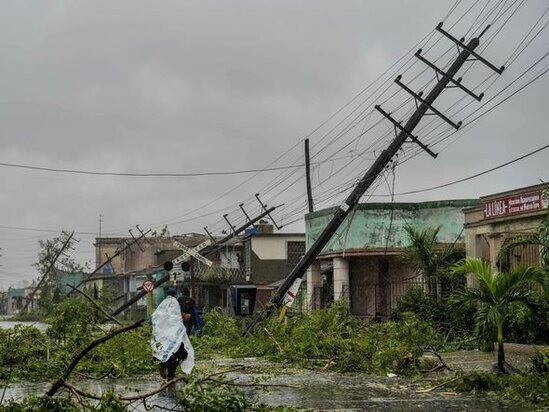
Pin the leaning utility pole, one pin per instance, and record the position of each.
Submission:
(48, 270)
(381, 162)
(91, 276)
(219, 244)
(206, 251)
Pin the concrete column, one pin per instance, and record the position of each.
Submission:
(341, 279)
(313, 282)
(473, 248)
(495, 241)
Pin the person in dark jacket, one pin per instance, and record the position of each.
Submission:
(167, 312)
(187, 310)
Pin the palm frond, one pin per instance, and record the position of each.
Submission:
(518, 281)
(467, 297)
(482, 270)
(426, 255)
(487, 318)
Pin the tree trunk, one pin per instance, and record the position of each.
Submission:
(501, 354)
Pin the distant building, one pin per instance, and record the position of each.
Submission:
(360, 263)
(4, 302)
(260, 257)
(269, 257)
(504, 216)
(126, 272)
(62, 279)
(18, 297)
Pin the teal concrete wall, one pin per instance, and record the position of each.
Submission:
(16, 292)
(71, 278)
(367, 227)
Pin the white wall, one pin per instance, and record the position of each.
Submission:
(228, 258)
(273, 247)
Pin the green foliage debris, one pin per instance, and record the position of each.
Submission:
(330, 338)
(525, 387)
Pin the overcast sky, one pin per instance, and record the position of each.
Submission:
(224, 86)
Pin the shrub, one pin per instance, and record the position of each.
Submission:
(124, 355)
(24, 354)
(540, 361)
(39, 404)
(528, 322)
(328, 337)
(211, 398)
(438, 313)
(529, 387)
(72, 322)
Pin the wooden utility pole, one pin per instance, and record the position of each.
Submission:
(191, 271)
(48, 270)
(308, 177)
(91, 277)
(98, 255)
(466, 51)
(206, 251)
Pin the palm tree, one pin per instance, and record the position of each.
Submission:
(428, 258)
(493, 296)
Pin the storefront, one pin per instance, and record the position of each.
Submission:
(504, 216)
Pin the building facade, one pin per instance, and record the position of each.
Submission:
(269, 257)
(361, 261)
(501, 217)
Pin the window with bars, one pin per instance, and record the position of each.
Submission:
(525, 255)
(294, 252)
(520, 255)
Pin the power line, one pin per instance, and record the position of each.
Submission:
(33, 229)
(96, 173)
(480, 24)
(276, 181)
(472, 176)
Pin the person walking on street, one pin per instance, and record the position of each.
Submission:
(170, 343)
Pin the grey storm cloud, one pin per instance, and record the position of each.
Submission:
(193, 86)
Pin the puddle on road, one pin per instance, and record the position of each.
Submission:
(310, 389)
(6, 324)
(328, 391)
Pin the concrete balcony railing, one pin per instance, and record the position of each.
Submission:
(219, 274)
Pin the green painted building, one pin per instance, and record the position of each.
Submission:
(63, 278)
(360, 262)
(15, 300)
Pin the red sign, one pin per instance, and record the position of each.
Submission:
(148, 285)
(513, 205)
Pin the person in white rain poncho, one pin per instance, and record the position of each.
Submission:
(169, 342)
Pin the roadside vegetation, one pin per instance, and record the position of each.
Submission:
(327, 339)
(510, 306)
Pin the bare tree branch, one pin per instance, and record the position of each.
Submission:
(259, 385)
(273, 338)
(439, 385)
(96, 378)
(143, 396)
(103, 311)
(59, 383)
(125, 398)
